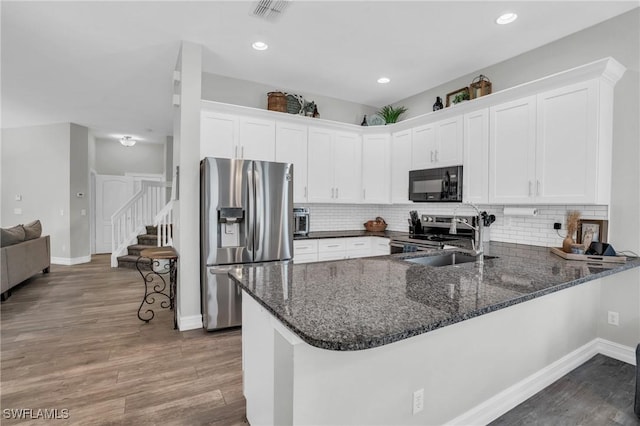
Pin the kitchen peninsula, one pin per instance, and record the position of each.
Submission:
(354, 341)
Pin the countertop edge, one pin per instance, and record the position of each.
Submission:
(376, 342)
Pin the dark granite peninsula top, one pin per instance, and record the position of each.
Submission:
(363, 303)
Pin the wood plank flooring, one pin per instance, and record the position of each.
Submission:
(599, 392)
(72, 340)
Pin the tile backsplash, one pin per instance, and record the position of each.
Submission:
(533, 230)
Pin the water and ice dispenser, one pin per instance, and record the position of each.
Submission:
(229, 221)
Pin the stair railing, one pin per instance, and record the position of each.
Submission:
(130, 219)
(164, 225)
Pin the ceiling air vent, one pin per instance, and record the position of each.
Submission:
(270, 9)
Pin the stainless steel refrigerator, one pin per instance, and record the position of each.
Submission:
(246, 216)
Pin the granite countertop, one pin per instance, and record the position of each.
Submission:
(348, 234)
(363, 303)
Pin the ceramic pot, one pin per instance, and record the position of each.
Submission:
(567, 243)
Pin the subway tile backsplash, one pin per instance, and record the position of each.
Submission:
(533, 230)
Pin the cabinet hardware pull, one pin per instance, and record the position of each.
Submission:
(358, 244)
(537, 187)
(334, 245)
(436, 156)
(337, 192)
(332, 192)
(432, 156)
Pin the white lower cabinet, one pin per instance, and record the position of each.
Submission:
(318, 250)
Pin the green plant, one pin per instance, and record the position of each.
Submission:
(391, 113)
(462, 96)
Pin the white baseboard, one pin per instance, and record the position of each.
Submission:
(189, 323)
(70, 260)
(506, 400)
(616, 351)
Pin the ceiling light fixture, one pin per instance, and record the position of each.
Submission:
(506, 18)
(384, 80)
(260, 45)
(127, 141)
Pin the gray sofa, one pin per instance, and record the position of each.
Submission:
(22, 259)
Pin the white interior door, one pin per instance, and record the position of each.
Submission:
(111, 194)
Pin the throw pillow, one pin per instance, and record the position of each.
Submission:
(32, 230)
(11, 236)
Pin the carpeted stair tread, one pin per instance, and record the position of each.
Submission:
(135, 249)
(129, 261)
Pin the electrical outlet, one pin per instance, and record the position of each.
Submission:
(613, 318)
(418, 401)
(557, 225)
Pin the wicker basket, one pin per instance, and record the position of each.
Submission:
(375, 226)
(277, 101)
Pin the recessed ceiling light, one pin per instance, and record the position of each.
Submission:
(506, 18)
(384, 80)
(260, 45)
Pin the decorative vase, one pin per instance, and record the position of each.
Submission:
(438, 105)
(567, 243)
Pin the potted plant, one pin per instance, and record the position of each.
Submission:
(462, 96)
(391, 113)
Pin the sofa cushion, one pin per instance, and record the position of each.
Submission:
(11, 236)
(32, 230)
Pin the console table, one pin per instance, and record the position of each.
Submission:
(159, 278)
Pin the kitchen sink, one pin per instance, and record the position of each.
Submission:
(447, 259)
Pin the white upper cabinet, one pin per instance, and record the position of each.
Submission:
(291, 147)
(449, 142)
(347, 161)
(400, 166)
(334, 166)
(257, 139)
(423, 145)
(230, 136)
(512, 151)
(375, 169)
(567, 149)
(475, 172)
(438, 144)
(218, 135)
(550, 149)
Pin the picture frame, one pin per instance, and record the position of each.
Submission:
(600, 230)
(452, 95)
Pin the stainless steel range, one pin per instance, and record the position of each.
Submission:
(433, 233)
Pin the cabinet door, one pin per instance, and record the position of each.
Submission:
(512, 141)
(423, 146)
(218, 135)
(375, 169)
(291, 147)
(449, 136)
(320, 168)
(257, 139)
(567, 143)
(347, 158)
(475, 173)
(400, 166)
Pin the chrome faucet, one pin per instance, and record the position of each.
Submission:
(477, 245)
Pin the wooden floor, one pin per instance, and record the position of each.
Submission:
(599, 392)
(72, 340)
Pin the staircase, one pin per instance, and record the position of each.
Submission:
(145, 241)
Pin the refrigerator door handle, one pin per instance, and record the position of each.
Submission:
(251, 211)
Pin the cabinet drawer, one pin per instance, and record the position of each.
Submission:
(305, 258)
(353, 254)
(305, 247)
(358, 243)
(331, 256)
(331, 245)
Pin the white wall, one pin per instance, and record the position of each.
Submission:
(36, 166)
(186, 154)
(251, 94)
(79, 199)
(111, 158)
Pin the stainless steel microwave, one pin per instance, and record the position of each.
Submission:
(443, 184)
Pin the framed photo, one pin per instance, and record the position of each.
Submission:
(451, 96)
(598, 227)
